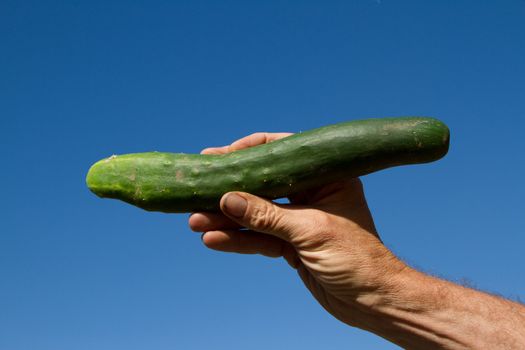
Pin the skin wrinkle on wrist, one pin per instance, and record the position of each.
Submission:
(402, 311)
(385, 279)
(354, 276)
(444, 314)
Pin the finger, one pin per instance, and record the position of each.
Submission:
(202, 222)
(215, 150)
(255, 139)
(258, 138)
(261, 215)
(250, 242)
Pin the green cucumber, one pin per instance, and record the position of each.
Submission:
(177, 182)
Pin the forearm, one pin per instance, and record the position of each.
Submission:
(417, 311)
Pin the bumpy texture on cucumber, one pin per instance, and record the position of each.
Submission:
(177, 182)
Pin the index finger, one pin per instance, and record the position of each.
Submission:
(255, 139)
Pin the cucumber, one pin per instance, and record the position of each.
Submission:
(178, 182)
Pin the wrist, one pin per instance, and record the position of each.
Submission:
(385, 283)
(407, 309)
(418, 311)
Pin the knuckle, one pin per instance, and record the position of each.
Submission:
(267, 217)
(259, 137)
(262, 216)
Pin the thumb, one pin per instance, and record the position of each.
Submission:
(262, 215)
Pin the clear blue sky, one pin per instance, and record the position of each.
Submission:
(81, 80)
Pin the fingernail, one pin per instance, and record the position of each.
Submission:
(235, 205)
(202, 237)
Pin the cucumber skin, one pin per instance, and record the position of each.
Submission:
(178, 182)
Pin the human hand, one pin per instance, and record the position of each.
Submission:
(326, 233)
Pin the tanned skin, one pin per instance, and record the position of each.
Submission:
(328, 236)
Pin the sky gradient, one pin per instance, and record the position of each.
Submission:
(82, 80)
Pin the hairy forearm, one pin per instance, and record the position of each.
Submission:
(417, 311)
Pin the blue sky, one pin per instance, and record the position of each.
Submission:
(81, 80)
